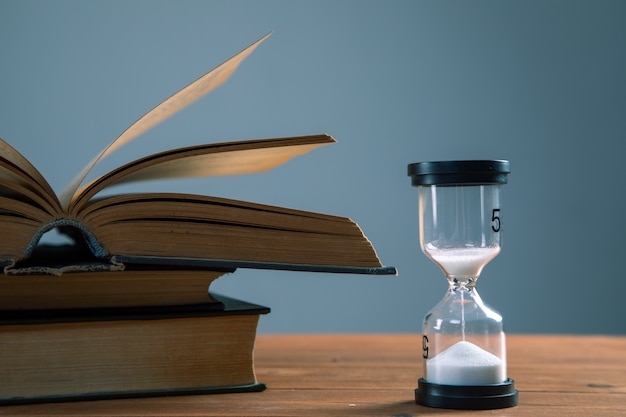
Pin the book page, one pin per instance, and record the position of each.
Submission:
(167, 108)
(229, 158)
(14, 167)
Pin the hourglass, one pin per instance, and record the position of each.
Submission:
(463, 342)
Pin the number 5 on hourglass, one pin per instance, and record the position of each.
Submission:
(463, 343)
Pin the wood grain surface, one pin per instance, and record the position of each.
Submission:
(375, 375)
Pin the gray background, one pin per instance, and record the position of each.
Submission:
(541, 83)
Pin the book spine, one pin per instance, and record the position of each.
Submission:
(89, 238)
(96, 260)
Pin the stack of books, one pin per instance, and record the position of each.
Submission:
(125, 309)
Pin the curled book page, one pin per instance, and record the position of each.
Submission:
(215, 159)
(15, 168)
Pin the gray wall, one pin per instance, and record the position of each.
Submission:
(541, 83)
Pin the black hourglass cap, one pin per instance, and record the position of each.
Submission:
(459, 172)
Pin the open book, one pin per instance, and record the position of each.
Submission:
(169, 228)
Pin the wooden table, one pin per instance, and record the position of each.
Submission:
(375, 375)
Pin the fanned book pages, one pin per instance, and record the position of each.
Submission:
(154, 230)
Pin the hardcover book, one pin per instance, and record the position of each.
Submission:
(90, 354)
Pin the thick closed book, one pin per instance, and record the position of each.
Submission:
(85, 354)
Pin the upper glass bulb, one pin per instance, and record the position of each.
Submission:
(459, 214)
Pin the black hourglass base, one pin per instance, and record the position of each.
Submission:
(466, 397)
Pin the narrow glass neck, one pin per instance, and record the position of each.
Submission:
(461, 284)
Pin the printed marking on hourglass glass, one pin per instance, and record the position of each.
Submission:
(495, 219)
(425, 347)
